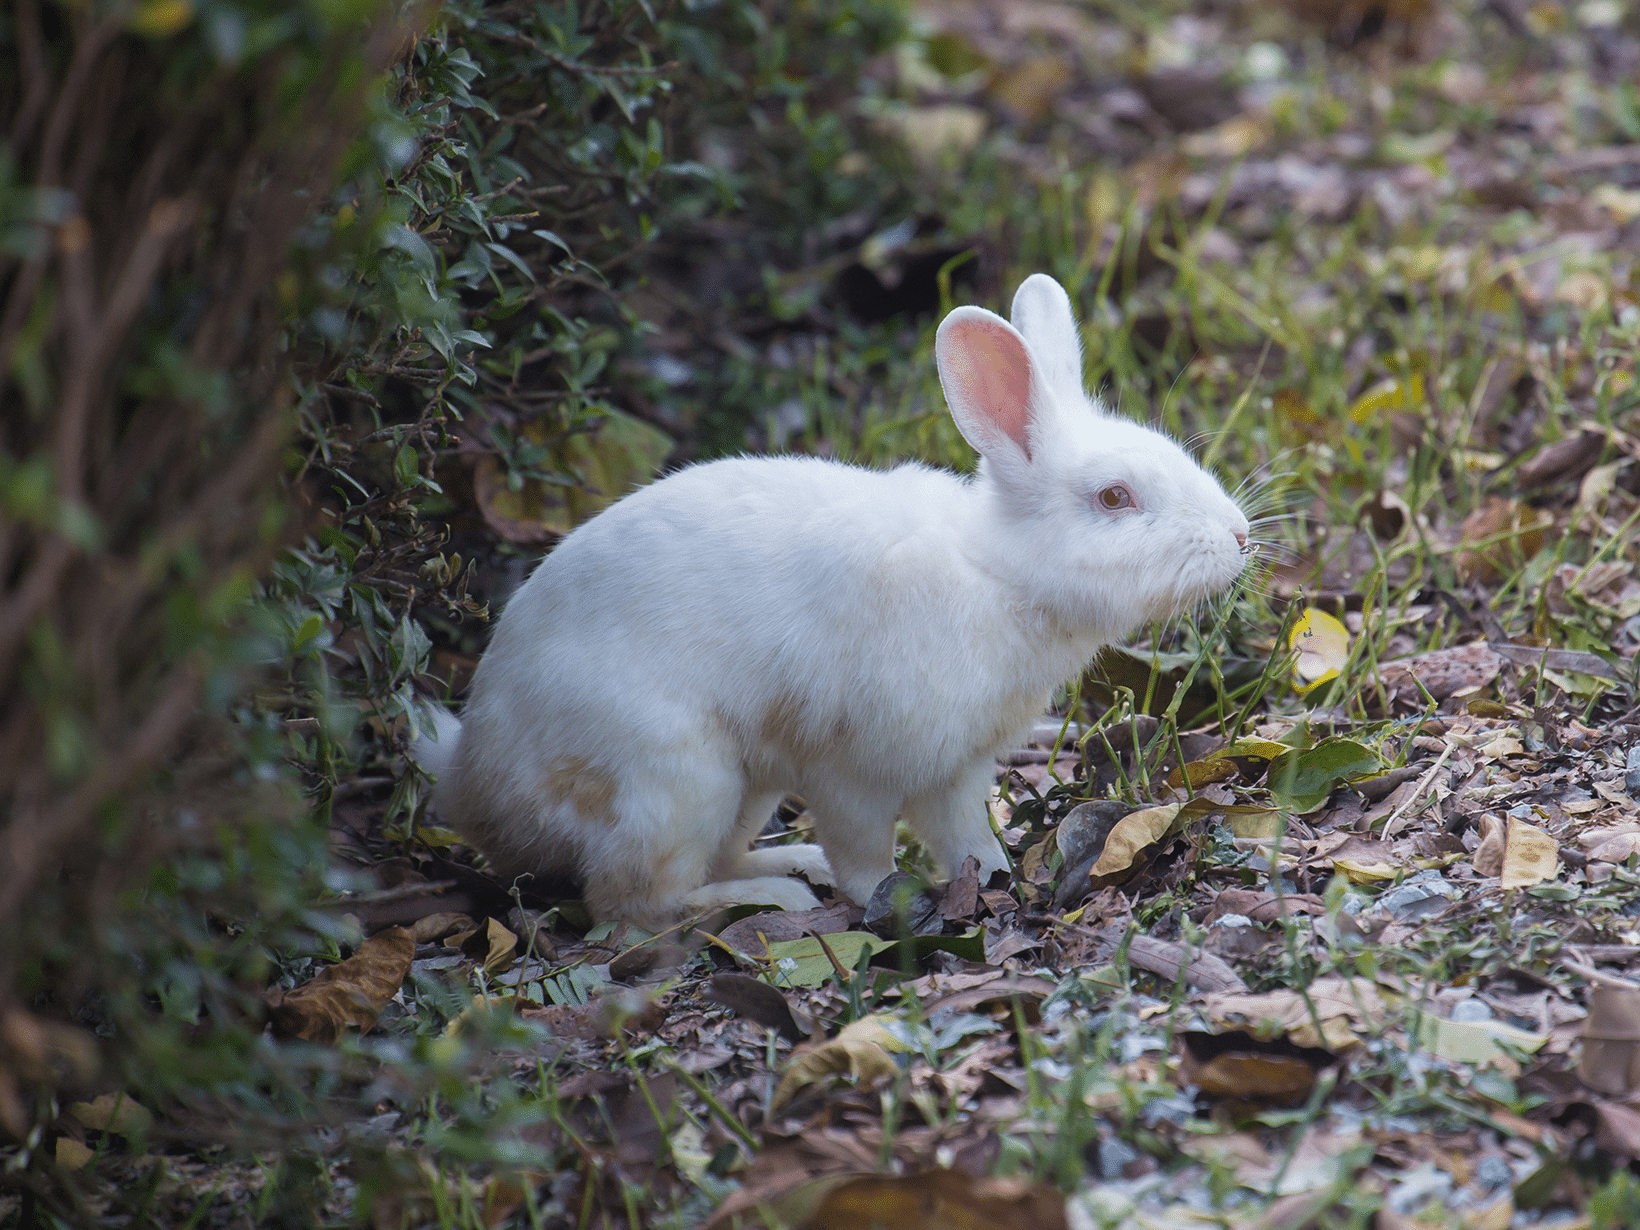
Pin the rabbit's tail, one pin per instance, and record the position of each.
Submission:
(435, 747)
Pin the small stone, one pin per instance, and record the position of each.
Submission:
(1412, 900)
(1114, 1158)
(1493, 1172)
(1471, 1010)
(1631, 775)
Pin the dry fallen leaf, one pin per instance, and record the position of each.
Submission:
(437, 926)
(632, 1011)
(71, 1154)
(1530, 855)
(1028, 90)
(112, 1112)
(940, 1200)
(1364, 860)
(860, 1051)
(1612, 847)
(1343, 1008)
(350, 995)
(34, 1050)
(505, 1193)
(492, 946)
(1458, 670)
(1519, 854)
(1498, 538)
(1133, 833)
(930, 134)
(1260, 1165)
(1248, 1074)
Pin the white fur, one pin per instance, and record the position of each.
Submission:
(868, 640)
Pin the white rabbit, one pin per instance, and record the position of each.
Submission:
(869, 640)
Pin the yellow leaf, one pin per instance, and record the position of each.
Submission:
(1623, 204)
(1265, 822)
(1365, 873)
(1235, 138)
(1203, 772)
(859, 1051)
(1499, 1215)
(113, 1112)
(1389, 394)
(1474, 1041)
(71, 1154)
(932, 134)
(1323, 646)
(1263, 749)
(481, 1007)
(158, 18)
(805, 963)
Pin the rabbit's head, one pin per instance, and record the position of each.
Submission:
(1099, 522)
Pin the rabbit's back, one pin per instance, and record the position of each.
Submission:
(808, 618)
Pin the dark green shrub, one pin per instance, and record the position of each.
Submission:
(249, 417)
(159, 162)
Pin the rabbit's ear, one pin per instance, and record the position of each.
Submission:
(991, 382)
(1042, 312)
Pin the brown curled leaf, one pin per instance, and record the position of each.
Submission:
(350, 995)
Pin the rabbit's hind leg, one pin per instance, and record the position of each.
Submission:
(954, 821)
(670, 820)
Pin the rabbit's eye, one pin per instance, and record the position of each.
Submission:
(1115, 497)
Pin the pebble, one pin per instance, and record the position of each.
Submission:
(1471, 1010)
(1631, 774)
(1424, 894)
(1493, 1172)
(1114, 1157)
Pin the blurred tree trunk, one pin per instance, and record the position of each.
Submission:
(153, 179)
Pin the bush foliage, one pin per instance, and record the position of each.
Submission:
(157, 168)
(287, 290)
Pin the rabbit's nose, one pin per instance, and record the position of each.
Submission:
(1241, 539)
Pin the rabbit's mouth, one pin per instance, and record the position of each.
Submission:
(1214, 578)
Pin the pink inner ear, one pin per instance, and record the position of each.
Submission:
(996, 374)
